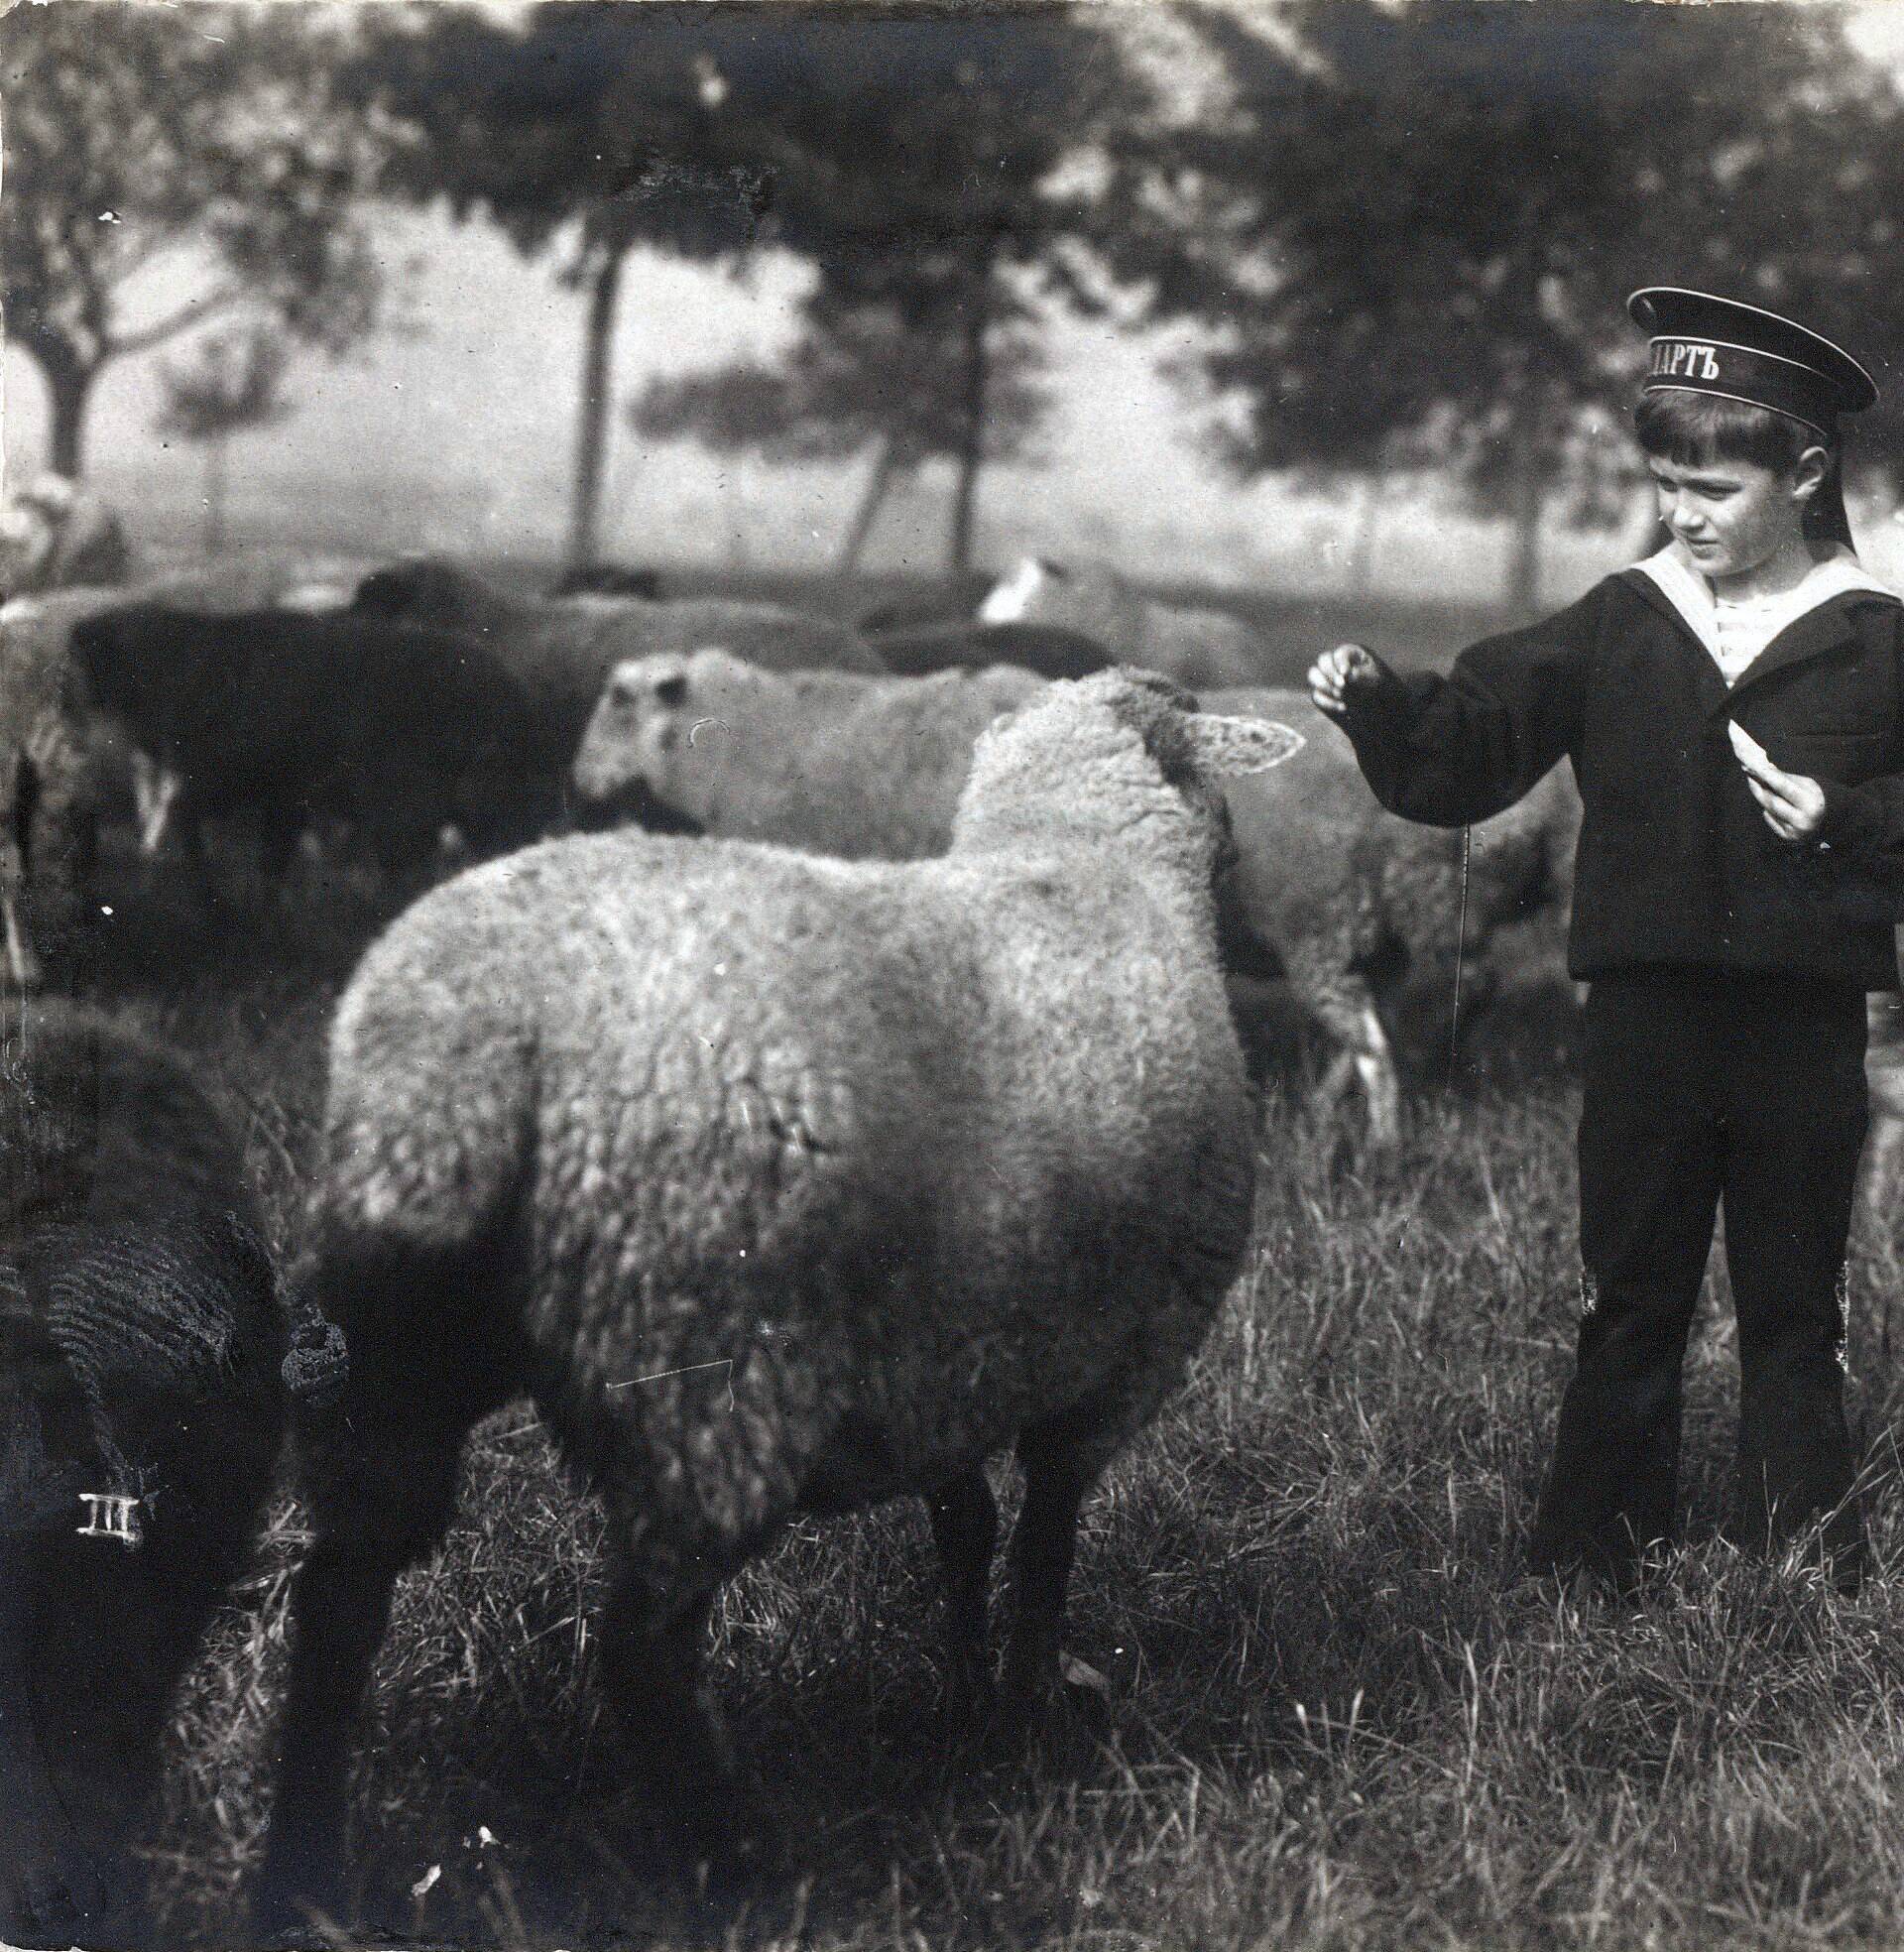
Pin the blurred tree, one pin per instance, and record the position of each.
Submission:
(202, 138)
(1414, 228)
(588, 128)
(915, 158)
(235, 381)
(945, 168)
(859, 378)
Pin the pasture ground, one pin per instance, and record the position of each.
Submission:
(1336, 1716)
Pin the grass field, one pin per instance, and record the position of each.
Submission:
(1335, 1717)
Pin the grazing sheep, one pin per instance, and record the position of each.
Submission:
(54, 533)
(1356, 910)
(784, 1185)
(920, 650)
(58, 776)
(565, 650)
(1201, 648)
(1361, 912)
(955, 600)
(829, 761)
(300, 717)
(140, 1410)
(607, 579)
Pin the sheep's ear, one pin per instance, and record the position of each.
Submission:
(1222, 745)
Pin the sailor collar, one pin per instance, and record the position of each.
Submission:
(1692, 599)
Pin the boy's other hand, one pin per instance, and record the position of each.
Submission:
(1793, 806)
(1349, 667)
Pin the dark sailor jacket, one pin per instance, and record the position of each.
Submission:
(1676, 863)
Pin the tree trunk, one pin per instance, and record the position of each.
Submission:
(67, 388)
(1529, 498)
(978, 323)
(592, 429)
(1362, 549)
(886, 470)
(216, 457)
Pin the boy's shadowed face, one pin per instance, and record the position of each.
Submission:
(1733, 517)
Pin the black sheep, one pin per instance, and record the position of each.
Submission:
(919, 650)
(301, 719)
(141, 1413)
(608, 580)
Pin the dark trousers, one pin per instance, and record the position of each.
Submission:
(1703, 1086)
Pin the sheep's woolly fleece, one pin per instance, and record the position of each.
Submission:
(833, 761)
(831, 1176)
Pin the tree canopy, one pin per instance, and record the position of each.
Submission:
(204, 134)
(1413, 228)
(862, 376)
(914, 158)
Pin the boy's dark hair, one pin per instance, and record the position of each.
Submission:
(1693, 430)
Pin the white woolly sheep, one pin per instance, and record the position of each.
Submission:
(1361, 912)
(865, 768)
(1197, 646)
(783, 1185)
(1356, 910)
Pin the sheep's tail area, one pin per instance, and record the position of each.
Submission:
(404, 1324)
(429, 1125)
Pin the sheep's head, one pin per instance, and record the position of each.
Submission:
(1088, 597)
(426, 590)
(659, 736)
(1122, 756)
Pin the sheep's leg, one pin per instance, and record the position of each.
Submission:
(1346, 1008)
(340, 1606)
(655, 1674)
(380, 1475)
(1058, 1472)
(653, 1667)
(965, 1527)
(48, 1884)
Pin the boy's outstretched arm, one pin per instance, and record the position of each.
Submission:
(1450, 750)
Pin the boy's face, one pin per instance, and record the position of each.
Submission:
(1730, 516)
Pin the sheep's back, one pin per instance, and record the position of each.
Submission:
(907, 1117)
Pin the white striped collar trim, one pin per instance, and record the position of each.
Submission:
(1839, 574)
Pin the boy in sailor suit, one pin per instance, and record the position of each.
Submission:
(1734, 711)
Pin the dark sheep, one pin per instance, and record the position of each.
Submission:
(140, 1349)
(304, 719)
(607, 579)
(1046, 649)
(954, 601)
(565, 650)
